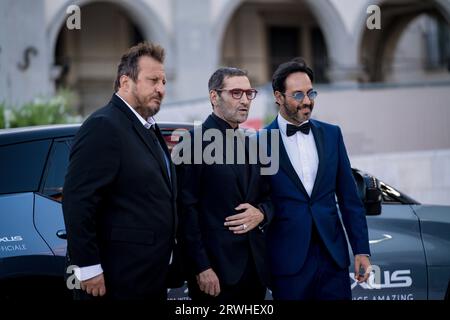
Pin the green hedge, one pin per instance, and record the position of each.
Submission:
(2, 115)
(54, 110)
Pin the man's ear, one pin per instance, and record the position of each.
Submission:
(279, 98)
(124, 82)
(213, 96)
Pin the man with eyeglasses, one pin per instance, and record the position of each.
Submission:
(308, 250)
(224, 204)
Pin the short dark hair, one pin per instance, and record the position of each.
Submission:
(285, 69)
(128, 65)
(216, 80)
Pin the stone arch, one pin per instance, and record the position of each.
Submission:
(91, 88)
(146, 18)
(336, 37)
(377, 47)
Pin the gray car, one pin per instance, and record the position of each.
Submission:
(410, 242)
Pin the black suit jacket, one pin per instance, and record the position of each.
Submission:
(119, 202)
(208, 194)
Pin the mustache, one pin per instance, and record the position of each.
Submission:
(309, 106)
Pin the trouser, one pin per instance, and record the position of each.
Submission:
(320, 278)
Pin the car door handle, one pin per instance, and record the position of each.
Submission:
(385, 237)
(62, 234)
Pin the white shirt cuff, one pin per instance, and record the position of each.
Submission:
(86, 273)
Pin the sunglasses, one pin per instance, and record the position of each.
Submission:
(299, 96)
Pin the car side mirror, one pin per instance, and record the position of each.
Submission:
(369, 191)
(373, 195)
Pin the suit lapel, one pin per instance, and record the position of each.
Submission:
(143, 134)
(252, 170)
(240, 180)
(210, 122)
(243, 179)
(285, 162)
(251, 182)
(317, 131)
(152, 145)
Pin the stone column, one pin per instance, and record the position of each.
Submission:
(24, 63)
(194, 61)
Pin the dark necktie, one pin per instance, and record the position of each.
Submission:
(161, 150)
(304, 128)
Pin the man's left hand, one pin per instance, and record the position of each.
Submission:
(243, 222)
(362, 261)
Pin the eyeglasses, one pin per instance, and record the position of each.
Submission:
(299, 96)
(237, 93)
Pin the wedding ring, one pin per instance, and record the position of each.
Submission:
(244, 226)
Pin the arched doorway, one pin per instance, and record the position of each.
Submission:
(88, 57)
(262, 34)
(413, 44)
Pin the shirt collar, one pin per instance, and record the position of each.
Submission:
(282, 123)
(146, 123)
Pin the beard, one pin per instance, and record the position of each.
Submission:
(147, 112)
(296, 116)
(232, 116)
(143, 109)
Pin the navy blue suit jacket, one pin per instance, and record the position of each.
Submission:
(294, 210)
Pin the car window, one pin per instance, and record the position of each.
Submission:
(170, 138)
(393, 196)
(21, 166)
(56, 170)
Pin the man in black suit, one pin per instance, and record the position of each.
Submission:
(119, 194)
(225, 203)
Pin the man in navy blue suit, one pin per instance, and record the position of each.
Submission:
(308, 249)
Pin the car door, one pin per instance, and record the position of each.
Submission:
(49, 219)
(21, 168)
(397, 255)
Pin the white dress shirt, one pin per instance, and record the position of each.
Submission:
(302, 151)
(146, 123)
(86, 273)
